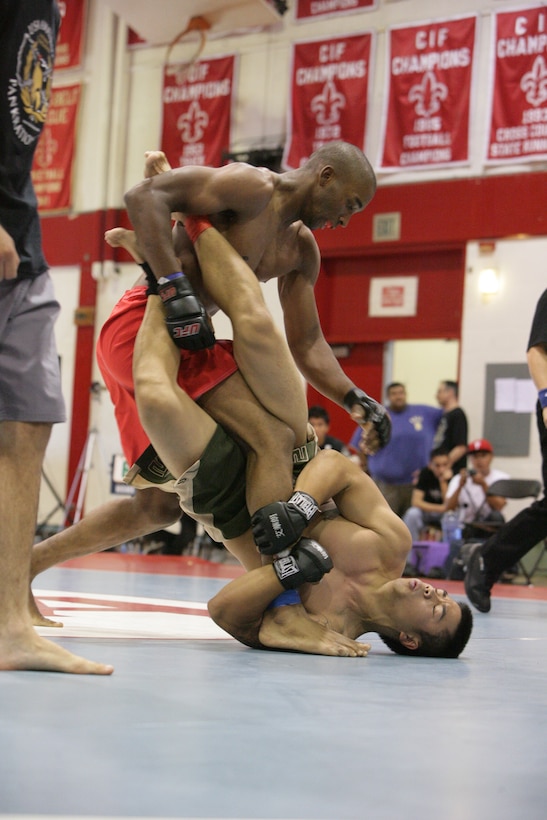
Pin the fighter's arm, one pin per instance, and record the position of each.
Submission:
(313, 355)
(358, 499)
(310, 350)
(192, 190)
(537, 364)
(368, 521)
(240, 608)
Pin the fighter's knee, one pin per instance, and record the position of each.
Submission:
(152, 396)
(275, 436)
(254, 325)
(161, 508)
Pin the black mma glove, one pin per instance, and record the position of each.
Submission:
(186, 318)
(374, 412)
(307, 563)
(278, 526)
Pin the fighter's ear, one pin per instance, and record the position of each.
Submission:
(409, 641)
(326, 175)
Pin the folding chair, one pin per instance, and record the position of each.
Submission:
(520, 488)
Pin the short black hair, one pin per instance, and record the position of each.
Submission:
(452, 386)
(391, 385)
(438, 646)
(318, 412)
(438, 451)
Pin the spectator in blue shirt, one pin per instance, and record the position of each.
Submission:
(395, 468)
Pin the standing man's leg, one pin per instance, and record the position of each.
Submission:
(503, 550)
(30, 399)
(513, 540)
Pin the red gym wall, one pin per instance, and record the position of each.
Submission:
(344, 291)
(437, 219)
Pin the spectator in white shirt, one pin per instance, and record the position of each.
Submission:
(467, 492)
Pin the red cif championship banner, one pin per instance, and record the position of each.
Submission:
(318, 9)
(197, 113)
(518, 120)
(68, 53)
(426, 120)
(329, 95)
(52, 167)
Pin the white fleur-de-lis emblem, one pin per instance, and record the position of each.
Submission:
(192, 124)
(428, 95)
(326, 105)
(534, 83)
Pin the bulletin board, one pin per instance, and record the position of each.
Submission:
(510, 401)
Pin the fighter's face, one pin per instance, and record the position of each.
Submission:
(424, 608)
(335, 200)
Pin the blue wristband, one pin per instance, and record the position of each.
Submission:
(287, 598)
(542, 397)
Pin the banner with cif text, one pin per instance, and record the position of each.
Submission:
(197, 113)
(426, 118)
(319, 9)
(329, 95)
(68, 53)
(52, 166)
(518, 110)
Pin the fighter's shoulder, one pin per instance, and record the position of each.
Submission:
(248, 175)
(308, 250)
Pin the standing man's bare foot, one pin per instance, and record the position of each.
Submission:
(123, 238)
(155, 162)
(36, 616)
(27, 650)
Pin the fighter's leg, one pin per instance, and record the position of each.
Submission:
(269, 462)
(260, 348)
(123, 238)
(178, 428)
(104, 527)
(155, 162)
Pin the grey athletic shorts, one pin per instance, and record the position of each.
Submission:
(212, 490)
(30, 378)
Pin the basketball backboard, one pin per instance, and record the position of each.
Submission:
(159, 22)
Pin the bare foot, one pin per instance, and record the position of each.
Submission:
(155, 163)
(27, 650)
(36, 616)
(122, 238)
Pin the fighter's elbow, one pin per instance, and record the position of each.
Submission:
(216, 610)
(221, 614)
(133, 198)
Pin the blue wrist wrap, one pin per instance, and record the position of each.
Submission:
(542, 398)
(286, 598)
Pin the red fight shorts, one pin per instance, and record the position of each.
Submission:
(199, 371)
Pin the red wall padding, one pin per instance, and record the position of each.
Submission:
(440, 296)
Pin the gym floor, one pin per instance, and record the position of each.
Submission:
(194, 725)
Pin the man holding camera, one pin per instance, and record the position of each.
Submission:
(467, 492)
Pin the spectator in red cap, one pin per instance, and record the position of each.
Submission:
(467, 491)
